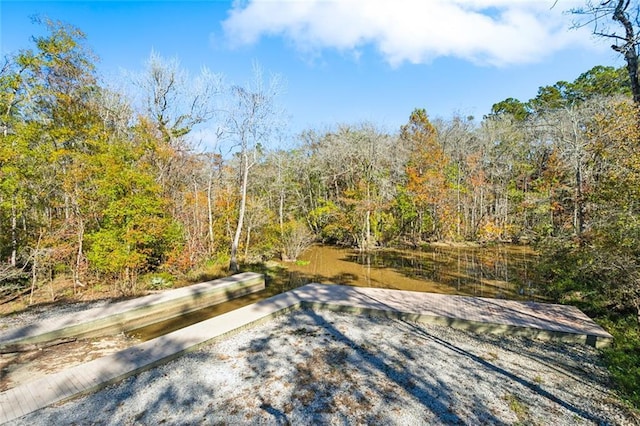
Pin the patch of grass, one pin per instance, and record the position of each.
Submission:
(518, 407)
(623, 357)
(97, 288)
(302, 262)
(210, 271)
(159, 281)
(569, 285)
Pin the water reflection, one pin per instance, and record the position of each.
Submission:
(500, 271)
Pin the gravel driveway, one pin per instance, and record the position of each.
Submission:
(333, 368)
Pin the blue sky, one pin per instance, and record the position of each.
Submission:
(342, 61)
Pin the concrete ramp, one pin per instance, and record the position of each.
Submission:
(545, 321)
(135, 313)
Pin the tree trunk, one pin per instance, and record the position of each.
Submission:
(367, 237)
(14, 233)
(34, 275)
(459, 207)
(629, 48)
(210, 212)
(79, 256)
(233, 262)
(281, 212)
(246, 242)
(196, 211)
(368, 220)
(578, 212)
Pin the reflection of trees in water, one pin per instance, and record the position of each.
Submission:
(500, 271)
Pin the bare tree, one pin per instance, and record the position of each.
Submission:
(457, 137)
(174, 100)
(567, 128)
(252, 118)
(626, 13)
(177, 103)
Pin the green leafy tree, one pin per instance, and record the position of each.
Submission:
(601, 81)
(135, 232)
(50, 112)
(511, 106)
(15, 160)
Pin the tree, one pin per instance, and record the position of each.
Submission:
(615, 235)
(625, 13)
(14, 154)
(175, 105)
(501, 170)
(426, 177)
(556, 96)
(567, 129)
(135, 232)
(279, 182)
(351, 183)
(175, 101)
(53, 93)
(252, 118)
(458, 138)
(516, 109)
(601, 81)
(564, 118)
(602, 267)
(371, 187)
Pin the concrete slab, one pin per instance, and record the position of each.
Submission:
(483, 315)
(538, 320)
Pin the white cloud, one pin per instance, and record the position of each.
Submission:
(494, 32)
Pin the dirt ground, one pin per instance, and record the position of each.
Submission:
(19, 367)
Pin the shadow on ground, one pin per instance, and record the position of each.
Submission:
(319, 367)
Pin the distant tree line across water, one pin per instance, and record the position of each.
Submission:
(97, 187)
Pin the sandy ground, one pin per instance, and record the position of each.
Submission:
(19, 367)
(330, 368)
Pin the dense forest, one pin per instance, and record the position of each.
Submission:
(99, 187)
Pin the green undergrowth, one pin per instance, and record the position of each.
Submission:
(623, 357)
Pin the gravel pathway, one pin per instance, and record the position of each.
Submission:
(330, 368)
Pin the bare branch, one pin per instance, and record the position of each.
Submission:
(600, 16)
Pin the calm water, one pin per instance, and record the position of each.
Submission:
(502, 271)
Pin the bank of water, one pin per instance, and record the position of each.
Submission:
(502, 271)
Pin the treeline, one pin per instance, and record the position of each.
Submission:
(99, 187)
